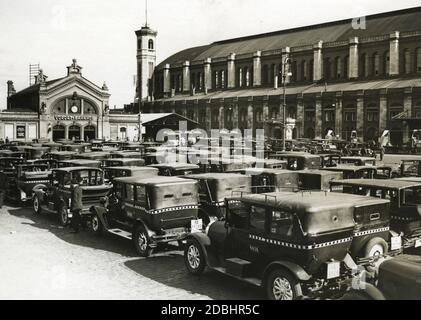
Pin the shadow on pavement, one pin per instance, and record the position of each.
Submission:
(85, 238)
(170, 270)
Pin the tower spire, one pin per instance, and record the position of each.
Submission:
(146, 13)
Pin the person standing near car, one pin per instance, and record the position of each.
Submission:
(76, 204)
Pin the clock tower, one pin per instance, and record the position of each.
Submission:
(146, 62)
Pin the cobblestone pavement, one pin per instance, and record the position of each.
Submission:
(40, 260)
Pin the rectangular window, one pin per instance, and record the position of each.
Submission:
(282, 223)
(350, 116)
(257, 218)
(141, 195)
(130, 192)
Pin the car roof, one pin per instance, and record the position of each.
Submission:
(215, 176)
(318, 172)
(154, 180)
(266, 171)
(81, 161)
(381, 183)
(125, 159)
(309, 201)
(175, 166)
(73, 169)
(347, 167)
(358, 158)
(132, 168)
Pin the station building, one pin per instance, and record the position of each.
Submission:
(362, 75)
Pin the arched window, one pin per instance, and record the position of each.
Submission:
(150, 44)
(376, 64)
(60, 107)
(88, 107)
(304, 71)
(407, 61)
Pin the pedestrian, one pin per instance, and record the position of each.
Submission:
(381, 152)
(76, 204)
(7, 140)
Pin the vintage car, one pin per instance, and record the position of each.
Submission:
(55, 196)
(271, 164)
(176, 169)
(93, 156)
(60, 155)
(214, 188)
(133, 146)
(410, 168)
(386, 172)
(359, 161)
(53, 146)
(293, 245)
(123, 162)
(35, 152)
(111, 173)
(221, 165)
(317, 179)
(50, 163)
(405, 198)
(149, 211)
(13, 154)
(301, 161)
(330, 160)
(27, 177)
(354, 172)
(79, 163)
(396, 278)
(125, 154)
(76, 147)
(8, 165)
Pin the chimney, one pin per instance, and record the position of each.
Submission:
(10, 88)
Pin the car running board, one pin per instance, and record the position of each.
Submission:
(253, 281)
(121, 233)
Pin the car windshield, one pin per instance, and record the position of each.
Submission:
(89, 177)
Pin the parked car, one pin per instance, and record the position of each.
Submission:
(93, 155)
(123, 162)
(301, 161)
(405, 198)
(221, 165)
(111, 173)
(354, 172)
(330, 160)
(214, 188)
(126, 154)
(359, 161)
(55, 196)
(149, 211)
(176, 169)
(59, 155)
(293, 245)
(410, 168)
(271, 164)
(79, 163)
(317, 179)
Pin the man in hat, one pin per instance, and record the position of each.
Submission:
(76, 205)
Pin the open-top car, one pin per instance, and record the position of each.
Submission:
(149, 211)
(405, 198)
(294, 245)
(111, 173)
(55, 196)
(123, 162)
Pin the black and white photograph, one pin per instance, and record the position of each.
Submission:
(232, 152)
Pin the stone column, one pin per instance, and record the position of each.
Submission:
(394, 54)
(360, 115)
(285, 56)
(300, 116)
(167, 80)
(257, 69)
(408, 109)
(353, 58)
(319, 117)
(338, 115)
(318, 61)
(207, 74)
(186, 76)
(231, 71)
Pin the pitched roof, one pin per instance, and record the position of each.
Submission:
(378, 24)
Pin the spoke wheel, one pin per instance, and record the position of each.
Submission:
(96, 225)
(282, 285)
(63, 216)
(142, 241)
(194, 257)
(37, 205)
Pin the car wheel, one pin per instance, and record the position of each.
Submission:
(37, 205)
(142, 241)
(63, 216)
(96, 225)
(375, 247)
(194, 257)
(282, 285)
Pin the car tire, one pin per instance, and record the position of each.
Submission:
(96, 225)
(282, 285)
(63, 216)
(375, 247)
(194, 257)
(37, 205)
(141, 241)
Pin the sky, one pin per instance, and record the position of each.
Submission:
(100, 34)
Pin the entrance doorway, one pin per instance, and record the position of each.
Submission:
(58, 133)
(74, 133)
(89, 133)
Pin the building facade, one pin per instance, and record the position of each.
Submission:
(339, 76)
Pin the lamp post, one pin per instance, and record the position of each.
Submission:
(106, 109)
(285, 73)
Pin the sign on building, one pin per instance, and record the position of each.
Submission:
(20, 132)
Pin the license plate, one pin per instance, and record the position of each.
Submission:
(333, 270)
(396, 243)
(196, 226)
(418, 243)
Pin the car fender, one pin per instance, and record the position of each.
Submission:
(100, 212)
(371, 291)
(141, 222)
(205, 242)
(294, 268)
(39, 192)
